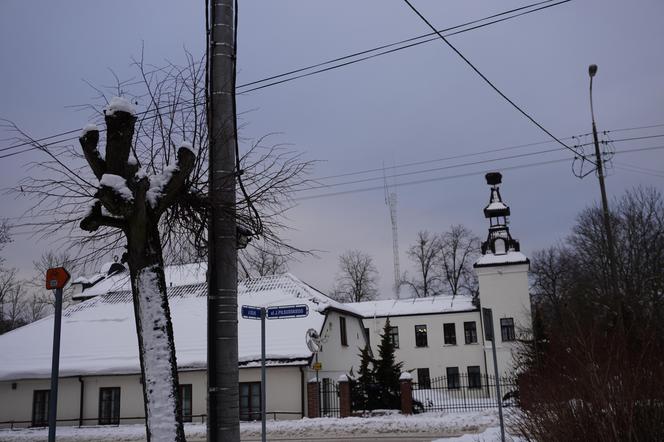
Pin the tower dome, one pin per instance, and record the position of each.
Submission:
(499, 247)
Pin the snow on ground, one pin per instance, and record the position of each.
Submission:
(471, 424)
(489, 435)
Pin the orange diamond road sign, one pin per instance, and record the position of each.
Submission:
(318, 366)
(56, 278)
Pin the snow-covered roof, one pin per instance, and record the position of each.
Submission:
(176, 275)
(99, 335)
(415, 306)
(510, 257)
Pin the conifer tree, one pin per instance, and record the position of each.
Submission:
(387, 371)
(365, 393)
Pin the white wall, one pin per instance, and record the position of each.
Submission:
(284, 390)
(16, 404)
(284, 394)
(436, 356)
(504, 289)
(338, 359)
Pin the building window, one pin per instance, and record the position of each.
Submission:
(394, 336)
(453, 378)
(367, 334)
(421, 336)
(449, 334)
(40, 408)
(109, 406)
(185, 402)
(342, 327)
(250, 401)
(474, 377)
(507, 329)
(470, 332)
(423, 379)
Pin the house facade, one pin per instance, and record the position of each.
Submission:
(444, 336)
(100, 380)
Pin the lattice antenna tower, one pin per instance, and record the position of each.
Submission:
(391, 202)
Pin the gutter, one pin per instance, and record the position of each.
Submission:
(302, 388)
(80, 410)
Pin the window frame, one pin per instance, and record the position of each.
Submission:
(393, 334)
(421, 333)
(507, 333)
(114, 417)
(453, 378)
(343, 331)
(452, 337)
(252, 414)
(474, 377)
(45, 396)
(182, 390)
(423, 379)
(473, 332)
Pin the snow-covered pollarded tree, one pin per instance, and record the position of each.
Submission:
(139, 190)
(132, 200)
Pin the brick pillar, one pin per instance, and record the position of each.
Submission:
(344, 396)
(313, 403)
(406, 384)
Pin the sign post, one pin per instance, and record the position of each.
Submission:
(278, 312)
(249, 312)
(487, 313)
(56, 279)
(263, 379)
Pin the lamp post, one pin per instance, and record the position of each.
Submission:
(592, 71)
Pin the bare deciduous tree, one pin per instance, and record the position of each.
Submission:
(259, 261)
(458, 249)
(598, 350)
(424, 254)
(357, 278)
(146, 195)
(47, 260)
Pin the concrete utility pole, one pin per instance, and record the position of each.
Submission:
(592, 70)
(223, 378)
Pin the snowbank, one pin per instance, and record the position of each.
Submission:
(434, 424)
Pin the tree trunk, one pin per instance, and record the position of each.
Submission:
(155, 334)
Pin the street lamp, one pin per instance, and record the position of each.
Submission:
(592, 71)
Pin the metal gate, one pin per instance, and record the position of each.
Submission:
(329, 398)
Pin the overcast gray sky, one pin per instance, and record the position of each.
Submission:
(420, 104)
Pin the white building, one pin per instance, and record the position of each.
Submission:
(99, 365)
(441, 336)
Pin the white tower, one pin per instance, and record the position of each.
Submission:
(502, 271)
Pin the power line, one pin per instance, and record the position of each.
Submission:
(461, 175)
(389, 45)
(494, 87)
(435, 160)
(368, 57)
(378, 48)
(448, 177)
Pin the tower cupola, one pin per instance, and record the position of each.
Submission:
(499, 240)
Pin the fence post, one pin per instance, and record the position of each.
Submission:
(344, 396)
(313, 402)
(406, 384)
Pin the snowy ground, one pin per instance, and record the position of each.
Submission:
(471, 426)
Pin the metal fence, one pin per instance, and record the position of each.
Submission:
(463, 392)
(93, 422)
(329, 398)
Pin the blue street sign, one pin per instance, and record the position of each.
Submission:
(249, 312)
(287, 311)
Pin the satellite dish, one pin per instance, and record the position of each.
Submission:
(313, 340)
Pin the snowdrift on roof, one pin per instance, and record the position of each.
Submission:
(99, 335)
